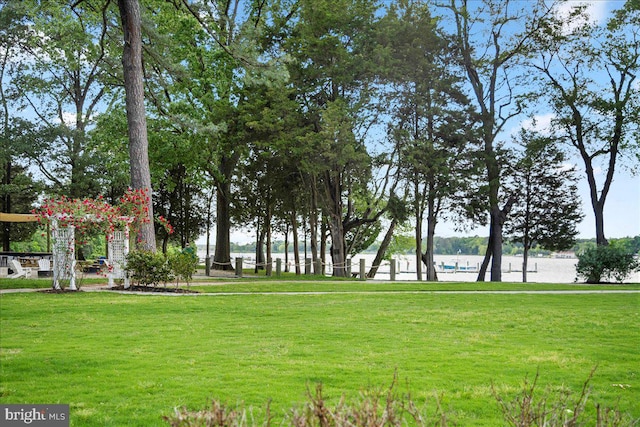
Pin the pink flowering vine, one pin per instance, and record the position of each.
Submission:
(90, 216)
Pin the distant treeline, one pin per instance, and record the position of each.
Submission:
(464, 245)
(402, 245)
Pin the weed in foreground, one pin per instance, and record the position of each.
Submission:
(529, 408)
(377, 408)
(373, 408)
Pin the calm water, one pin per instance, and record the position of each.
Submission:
(542, 270)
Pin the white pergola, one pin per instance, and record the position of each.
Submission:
(64, 257)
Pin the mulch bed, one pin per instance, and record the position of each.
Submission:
(157, 289)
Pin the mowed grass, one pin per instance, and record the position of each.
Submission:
(130, 359)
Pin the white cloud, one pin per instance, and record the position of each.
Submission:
(540, 123)
(567, 166)
(68, 118)
(596, 12)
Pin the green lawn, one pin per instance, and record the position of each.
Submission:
(44, 283)
(268, 286)
(129, 359)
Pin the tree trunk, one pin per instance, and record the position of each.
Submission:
(598, 211)
(419, 216)
(487, 257)
(6, 199)
(286, 248)
(260, 250)
(313, 223)
(323, 245)
(494, 247)
(597, 198)
(382, 249)
(222, 255)
(6, 241)
(267, 230)
(296, 242)
(496, 250)
(525, 257)
(333, 189)
(136, 117)
(427, 257)
(208, 235)
(165, 244)
(338, 255)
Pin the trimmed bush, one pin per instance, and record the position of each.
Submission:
(147, 268)
(606, 264)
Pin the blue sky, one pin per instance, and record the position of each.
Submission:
(622, 207)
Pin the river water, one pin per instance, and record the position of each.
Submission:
(540, 269)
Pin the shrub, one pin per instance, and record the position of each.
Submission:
(606, 263)
(148, 268)
(183, 265)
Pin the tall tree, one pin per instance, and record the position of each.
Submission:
(136, 116)
(590, 80)
(432, 121)
(271, 188)
(218, 51)
(331, 46)
(60, 81)
(548, 207)
(493, 36)
(17, 190)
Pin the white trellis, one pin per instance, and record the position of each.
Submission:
(64, 259)
(118, 248)
(64, 255)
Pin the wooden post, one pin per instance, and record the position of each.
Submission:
(278, 266)
(363, 274)
(392, 270)
(348, 267)
(210, 265)
(317, 266)
(239, 267)
(307, 266)
(269, 268)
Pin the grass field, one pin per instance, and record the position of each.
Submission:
(130, 359)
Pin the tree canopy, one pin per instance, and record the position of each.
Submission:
(327, 121)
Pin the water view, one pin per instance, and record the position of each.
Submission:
(539, 269)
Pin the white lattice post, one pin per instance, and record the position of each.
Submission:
(125, 252)
(118, 250)
(64, 256)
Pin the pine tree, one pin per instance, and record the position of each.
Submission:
(547, 207)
